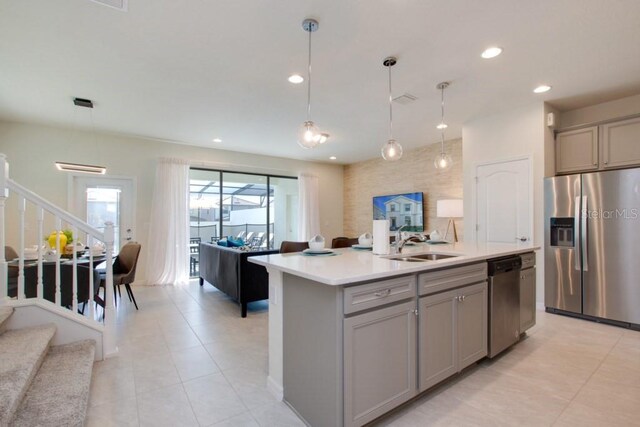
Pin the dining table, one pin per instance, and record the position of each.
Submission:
(66, 279)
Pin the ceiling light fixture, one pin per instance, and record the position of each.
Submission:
(323, 138)
(392, 150)
(309, 136)
(491, 52)
(78, 167)
(75, 167)
(332, 158)
(542, 89)
(295, 79)
(217, 140)
(442, 161)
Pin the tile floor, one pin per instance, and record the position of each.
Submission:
(187, 358)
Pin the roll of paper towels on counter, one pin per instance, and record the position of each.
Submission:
(381, 237)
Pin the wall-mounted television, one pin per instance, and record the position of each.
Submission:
(400, 209)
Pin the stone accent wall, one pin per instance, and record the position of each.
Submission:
(413, 173)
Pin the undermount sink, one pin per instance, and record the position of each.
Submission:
(421, 257)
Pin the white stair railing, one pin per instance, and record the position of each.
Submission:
(26, 199)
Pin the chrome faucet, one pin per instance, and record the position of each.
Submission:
(415, 238)
(399, 234)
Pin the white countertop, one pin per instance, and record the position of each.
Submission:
(352, 266)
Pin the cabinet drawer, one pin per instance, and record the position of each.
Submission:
(370, 295)
(450, 278)
(528, 260)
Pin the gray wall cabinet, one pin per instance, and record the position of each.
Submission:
(577, 150)
(620, 144)
(608, 146)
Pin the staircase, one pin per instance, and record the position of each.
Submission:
(40, 384)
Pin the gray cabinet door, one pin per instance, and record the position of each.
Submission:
(472, 311)
(577, 150)
(621, 144)
(379, 362)
(527, 298)
(437, 344)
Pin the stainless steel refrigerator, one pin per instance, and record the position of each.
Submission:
(592, 245)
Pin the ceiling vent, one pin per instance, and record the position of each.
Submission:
(405, 99)
(80, 102)
(115, 4)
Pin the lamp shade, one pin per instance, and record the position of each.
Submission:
(449, 208)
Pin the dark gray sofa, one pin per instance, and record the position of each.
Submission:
(228, 270)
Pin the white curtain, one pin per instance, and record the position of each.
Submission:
(308, 207)
(168, 251)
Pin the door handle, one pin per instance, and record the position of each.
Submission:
(576, 241)
(522, 239)
(583, 234)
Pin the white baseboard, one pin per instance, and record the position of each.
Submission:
(540, 306)
(275, 389)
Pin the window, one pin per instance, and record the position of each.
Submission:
(407, 207)
(392, 207)
(407, 220)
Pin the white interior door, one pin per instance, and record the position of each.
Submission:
(504, 201)
(97, 199)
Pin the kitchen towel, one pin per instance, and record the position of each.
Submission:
(381, 237)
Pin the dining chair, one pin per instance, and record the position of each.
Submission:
(343, 242)
(289, 246)
(124, 270)
(194, 251)
(10, 253)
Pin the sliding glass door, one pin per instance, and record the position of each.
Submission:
(260, 209)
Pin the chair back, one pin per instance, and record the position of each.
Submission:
(126, 262)
(343, 242)
(10, 253)
(288, 246)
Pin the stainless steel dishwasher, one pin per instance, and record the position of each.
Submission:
(504, 303)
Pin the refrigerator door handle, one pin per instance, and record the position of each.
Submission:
(583, 234)
(576, 241)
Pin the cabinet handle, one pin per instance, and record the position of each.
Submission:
(462, 297)
(384, 293)
(415, 312)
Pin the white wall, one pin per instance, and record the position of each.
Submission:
(603, 111)
(512, 134)
(32, 150)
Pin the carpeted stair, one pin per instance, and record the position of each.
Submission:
(42, 385)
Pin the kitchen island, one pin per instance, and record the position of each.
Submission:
(354, 335)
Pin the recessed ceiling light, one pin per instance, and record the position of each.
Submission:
(332, 158)
(542, 89)
(295, 79)
(217, 140)
(491, 52)
(442, 126)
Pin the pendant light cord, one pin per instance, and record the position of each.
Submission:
(442, 118)
(309, 82)
(390, 106)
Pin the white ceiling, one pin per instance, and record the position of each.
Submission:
(191, 70)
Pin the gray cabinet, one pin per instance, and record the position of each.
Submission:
(472, 324)
(620, 144)
(379, 362)
(452, 332)
(527, 298)
(438, 347)
(577, 150)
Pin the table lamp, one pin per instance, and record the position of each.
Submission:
(450, 208)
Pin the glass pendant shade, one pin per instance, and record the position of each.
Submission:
(392, 150)
(308, 135)
(443, 161)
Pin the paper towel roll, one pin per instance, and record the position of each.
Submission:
(381, 237)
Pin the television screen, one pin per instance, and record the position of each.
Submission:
(400, 209)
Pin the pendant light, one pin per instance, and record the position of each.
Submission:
(309, 136)
(442, 161)
(392, 150)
